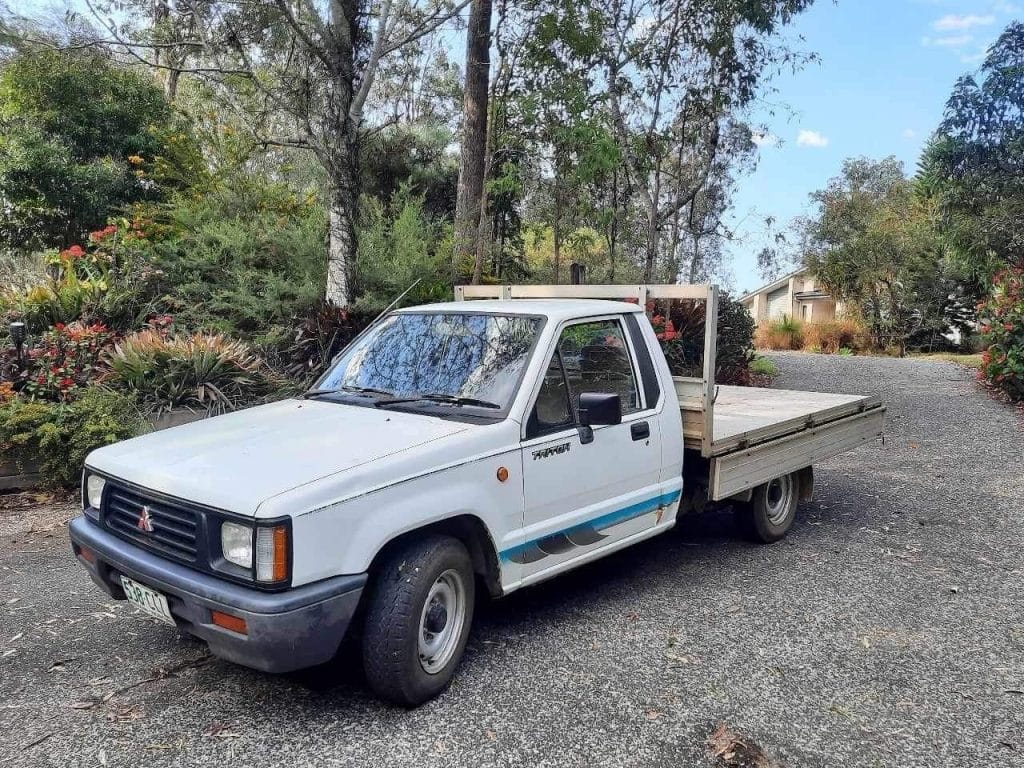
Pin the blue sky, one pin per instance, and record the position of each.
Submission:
(886, 70)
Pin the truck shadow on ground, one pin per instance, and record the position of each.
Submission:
(704, 545)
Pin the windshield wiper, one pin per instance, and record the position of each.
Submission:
(440, 397)
(347, 388)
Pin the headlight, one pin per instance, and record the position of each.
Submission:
(94, 490)
(236, 543)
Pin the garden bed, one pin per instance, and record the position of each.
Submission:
(13, 476)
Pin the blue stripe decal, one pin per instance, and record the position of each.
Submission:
(603, 521)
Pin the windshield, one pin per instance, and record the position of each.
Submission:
(449, 354)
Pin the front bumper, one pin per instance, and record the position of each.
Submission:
(300, 627)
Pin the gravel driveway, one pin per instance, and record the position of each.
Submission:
(887, 630)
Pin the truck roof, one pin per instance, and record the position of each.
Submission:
(553, 309)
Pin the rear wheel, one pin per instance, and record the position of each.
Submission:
(418, 620)
(769, 514)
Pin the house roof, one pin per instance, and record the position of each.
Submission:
(772, 286)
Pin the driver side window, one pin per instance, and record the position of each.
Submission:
(590, 357)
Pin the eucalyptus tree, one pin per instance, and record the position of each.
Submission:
(872, 242)
(472, 168)
(675, 72)
(974, 164)
(299, 73)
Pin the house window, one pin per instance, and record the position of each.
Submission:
(805, 311)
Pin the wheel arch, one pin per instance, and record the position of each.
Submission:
(467, 528)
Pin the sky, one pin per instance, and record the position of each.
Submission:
(886, 70)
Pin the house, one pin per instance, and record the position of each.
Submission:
(796, 295)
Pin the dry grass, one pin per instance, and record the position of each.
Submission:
(968, 361)
(831, 336)
(783, 333)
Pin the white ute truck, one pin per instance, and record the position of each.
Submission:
(487, 443)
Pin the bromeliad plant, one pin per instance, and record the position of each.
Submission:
(205, 372)
(1002, 330)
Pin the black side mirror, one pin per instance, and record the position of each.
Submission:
(596, 409)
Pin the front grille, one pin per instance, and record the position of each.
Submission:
(176, 528)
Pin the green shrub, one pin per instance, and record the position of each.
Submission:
(208, 372)
(1003, 331)
(58, 436)
(243, 259)
(398, 244)
(683, 342)
(781, 333)
(762, 366)
(82, 137)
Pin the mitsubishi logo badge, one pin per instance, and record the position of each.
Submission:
(145, 521)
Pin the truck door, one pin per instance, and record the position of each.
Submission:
(586, 496)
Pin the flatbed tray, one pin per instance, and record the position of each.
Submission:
(747, 416)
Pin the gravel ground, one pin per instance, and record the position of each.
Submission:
(887, 630)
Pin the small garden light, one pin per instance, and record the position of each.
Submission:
(17, 331)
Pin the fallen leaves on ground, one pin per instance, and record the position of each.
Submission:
(731, 750)
(222, 731)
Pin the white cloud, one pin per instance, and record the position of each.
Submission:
(764, 139)
(952, 22)
(949, 41)
(909, 133)
(811, 139)
(974, 58)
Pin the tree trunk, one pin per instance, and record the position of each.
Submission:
(651, 246)
(171, 89)
(485, 230)
(474, 135)
(612, 231)
(556, 230)
(653, 228)
(339, 157)
(341, 246)
(695, 264)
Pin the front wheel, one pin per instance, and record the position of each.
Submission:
(769, 514)
(418, 620)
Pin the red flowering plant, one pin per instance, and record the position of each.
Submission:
(100, 253)
(1002, 330)
(65, 360)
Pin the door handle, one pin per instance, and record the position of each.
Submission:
(640, 430)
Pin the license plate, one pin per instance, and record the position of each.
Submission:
(149, 600)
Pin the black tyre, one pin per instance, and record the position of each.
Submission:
(417, 621)
(769, 514)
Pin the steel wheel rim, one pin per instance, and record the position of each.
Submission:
(441, 622)
(777, 499)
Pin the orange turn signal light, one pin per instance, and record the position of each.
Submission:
(88, 555)
(228, 621)
(502, 474)
(280, 553)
